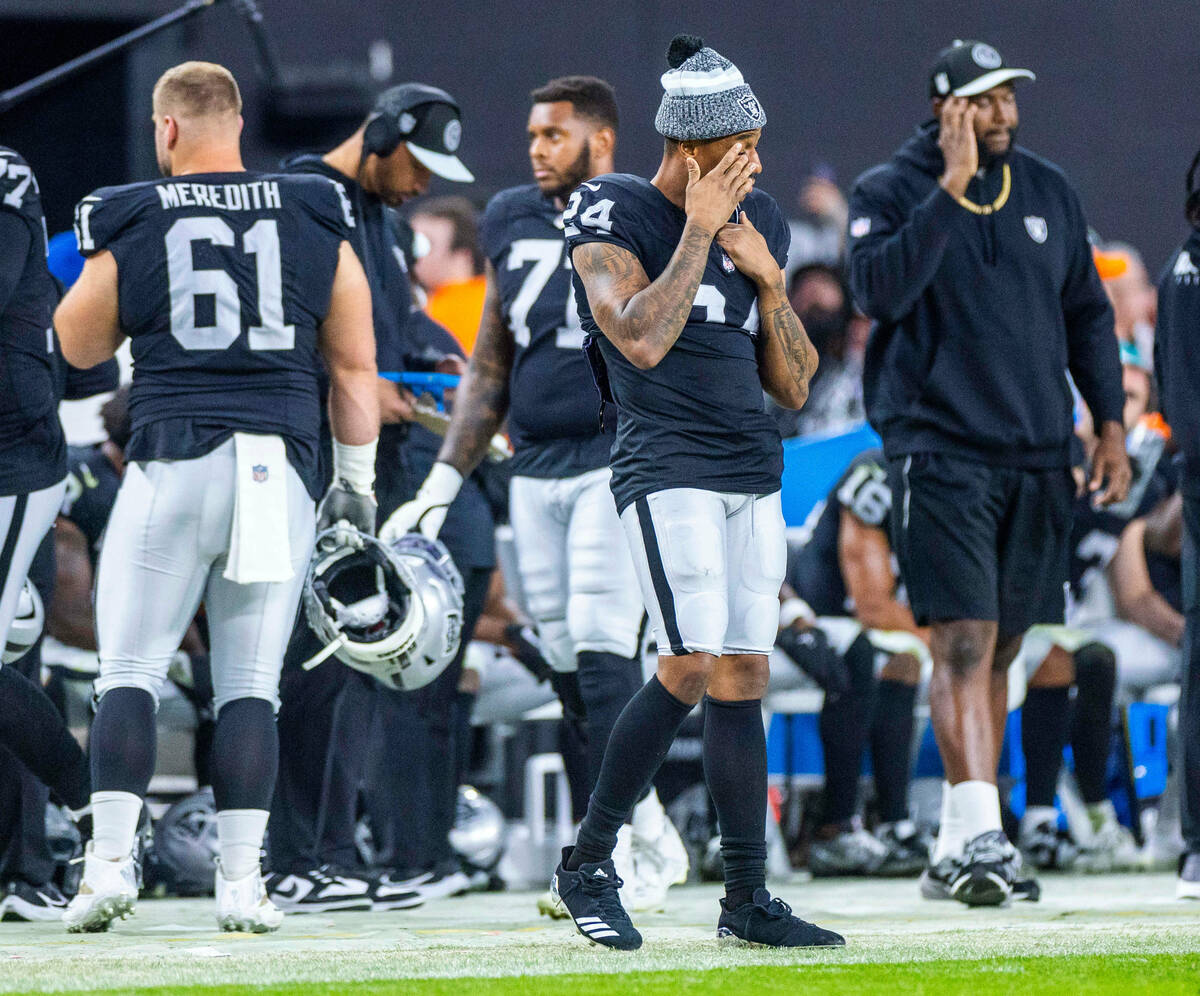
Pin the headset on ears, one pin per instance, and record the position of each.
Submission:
(1191, 206)
(390, 123)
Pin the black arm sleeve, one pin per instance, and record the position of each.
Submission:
(1092, 355)
(15, 238)
(100, 379)
(893, 262)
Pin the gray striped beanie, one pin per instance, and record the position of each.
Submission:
(704, 95)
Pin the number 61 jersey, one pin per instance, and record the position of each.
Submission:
(697, 419)
(223, 280)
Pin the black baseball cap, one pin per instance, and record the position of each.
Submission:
(968, 68)
(428, 119)
(435, 141)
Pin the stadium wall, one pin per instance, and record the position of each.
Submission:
(843, 82)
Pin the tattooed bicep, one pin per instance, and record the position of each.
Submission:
(612, 275)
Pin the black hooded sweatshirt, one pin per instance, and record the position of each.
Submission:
(979, 316)
(1177, 355)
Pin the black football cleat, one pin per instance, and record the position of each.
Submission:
(767, 922)
(987, 871)
(590, 896)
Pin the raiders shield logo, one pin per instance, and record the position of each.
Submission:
(750, 105)
(1036, 227)
(259, 471)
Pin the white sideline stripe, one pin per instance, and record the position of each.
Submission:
(591, 927)
(589, 919)
(604, 933)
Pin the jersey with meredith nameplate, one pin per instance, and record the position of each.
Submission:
(698, 418)
(552, 402)
(223, 281)
(33, 450)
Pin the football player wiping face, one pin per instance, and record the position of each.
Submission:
(721, 173)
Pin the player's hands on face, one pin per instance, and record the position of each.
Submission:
(711, 199)
(1111, 462)
(748, 250)
(960, 148)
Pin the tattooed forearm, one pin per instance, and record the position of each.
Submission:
(642, 318)
(481, 401)
(786, 357)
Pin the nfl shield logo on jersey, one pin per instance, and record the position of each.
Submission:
(259, 471)
(1036, 227)
(726, 262)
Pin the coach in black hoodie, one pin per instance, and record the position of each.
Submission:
(971, 254)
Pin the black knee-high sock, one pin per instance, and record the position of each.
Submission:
(843, 724)
(34, 731)
(891, 747)
(1091, 725)
(123, 742)
(245, 755)
(606, 683)
(640, 740)
(573, 745)
(1044, 718)
(735, 769)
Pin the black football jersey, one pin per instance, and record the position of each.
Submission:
(224, 279)
(698, 419)
(33, 450)
(379, 239)
(92, 484)
(552, 418)
(814, 569)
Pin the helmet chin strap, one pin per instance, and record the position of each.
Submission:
(323, 655)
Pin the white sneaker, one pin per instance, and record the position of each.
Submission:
(108, 891)
(243, 906)
(1111, 848)
(548, 905)
(655, 837)
(644, 889)
(1187, 885)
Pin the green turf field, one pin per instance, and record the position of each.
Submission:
(1104, 934)
(1159, 974)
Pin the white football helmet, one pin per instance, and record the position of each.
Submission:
(393, 612)
(26, 626)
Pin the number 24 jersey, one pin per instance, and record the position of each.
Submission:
(223, 281)
(698, 418)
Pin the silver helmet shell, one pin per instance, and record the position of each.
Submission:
(26, 625)
(393, 612)
(479, 833)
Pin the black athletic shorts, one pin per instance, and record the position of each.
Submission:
(982, 542)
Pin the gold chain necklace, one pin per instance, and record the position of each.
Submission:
(998, 203)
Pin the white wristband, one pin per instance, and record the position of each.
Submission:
(355, 465)
(442, 484)
(795, 608)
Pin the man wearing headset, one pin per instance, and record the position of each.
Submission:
(411, 134)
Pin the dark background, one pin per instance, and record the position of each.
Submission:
(843, 83)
